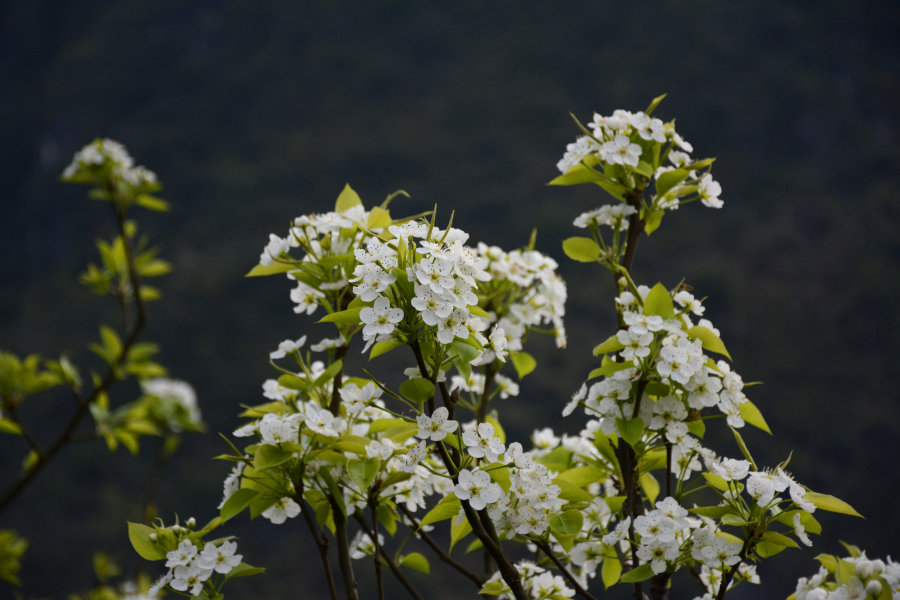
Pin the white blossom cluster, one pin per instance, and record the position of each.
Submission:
(534, 294)
(539, 583)
(867, 579)
(106, 153)
(189, 566)
(179, 393)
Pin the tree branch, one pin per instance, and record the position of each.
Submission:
(476, 579)
(580, 590)
(390, 563)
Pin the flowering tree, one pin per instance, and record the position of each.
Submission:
(339, 447)
(166, 407)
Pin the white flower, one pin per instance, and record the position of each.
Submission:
(362, 545)
(182, 555)
(637, 345)
(547, 585)
(379, 450)
(703, 390)
(220, 558)
(273, 250)
(498, 343)
(477, 488)
(410, 460)
(687, 300)
(483, 444)
(655, 527)
(380, 318)
(731, 469)
(545, 439)
(657, 553)
(190, 577)
(667, 410)
(437, 275)
(649, 129)
(321, 421)
(281, 511)
(432, 306)
(720, 552)
(287, 347)
(306, 297)
(232, 483)
(622, 152)
(800, 530)
(453, 326)
(437, 426)
(762, 489)
(577, 397)
(709, 192)
(522, 460)
(618, 534)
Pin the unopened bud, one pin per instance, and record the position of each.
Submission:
(817, 594)
(864, 569)
(191, 523)
(153, 537)
(878, 566)
(873, 588)
(176, 529)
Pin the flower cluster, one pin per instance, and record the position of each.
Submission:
(854, 577)
(190, 566)
(110, 157)
(539, 583)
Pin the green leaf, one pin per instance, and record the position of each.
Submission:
(347, 200)
(642, 573)
(698, 428)
(650, 487)
(612, 344)
(474, 545)
(466, 352)
(363, 473)
(417, 389)
(383, 348)
(523, 362)
(669, 180)
(494, 588)
(583, 476)
(329, 373)
(140, 540)
(416, 561)
(615, 503)
(715, 481)
(243, 570)
(630, 431)
(644, 169)
(659, 302)
(768, 549)
(151, 203)
(458, 532)
(831, 504)
(744, 450)
(828, 561)
(611, 571)
(351, 315)
(336, 494)
(751, 415)
(712, 512)
(379, 218)
(709, 339)
(610, 368)
(273, 269)
(238, 501)
(579, 174)
(846, 570)
(477, 311)
(734, 520)
(567, 523)
(558, 459)
(654, 104)
(581, 249)
(447, 508)
(270, 456)
(773, 537)
(654, 220)
(9, 426)
(571, 492)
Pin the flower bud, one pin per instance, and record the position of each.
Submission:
(176, 529)
(878, 566)
(864, 569)
(191, 523)
(817, 594)
(873, 588)
(153, 537)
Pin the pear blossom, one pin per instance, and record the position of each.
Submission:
(380, 318)
(453, 326)
(437, 426)
(410, 460)
(483, 444)
(287, 347)
(221, 558)
(657, 552)
(621, 151)
(499, 343)
(800, 530)
(281, 511)
(477, 488)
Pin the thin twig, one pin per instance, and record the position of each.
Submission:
(374, 537)
(319, 538)
(476, 579)
(390, 563)
(580, 590)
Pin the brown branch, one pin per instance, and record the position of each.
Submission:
(580, 590)
(378, 549)
(111, 376)
(319, 538)
(390, 563)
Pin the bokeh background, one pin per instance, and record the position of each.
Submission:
(255, 112)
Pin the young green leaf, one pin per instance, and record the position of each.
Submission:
(445, 509)
(709, 339)
(831, 504)
(417, 389)
(140, 540)
(752, 416)
(611, 571)
(659, 302)
(415, 561)
(641, 573)
(612, 344)
(744, 450)
(273, 269)
(523, 362)
(581, 249)
(351, 315)
(669, 180)
(630, 431)
(347, 200)
(238, 501)
(379, 218)
(773, 537)
(383, 348)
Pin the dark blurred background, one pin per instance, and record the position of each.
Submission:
(255, 112)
